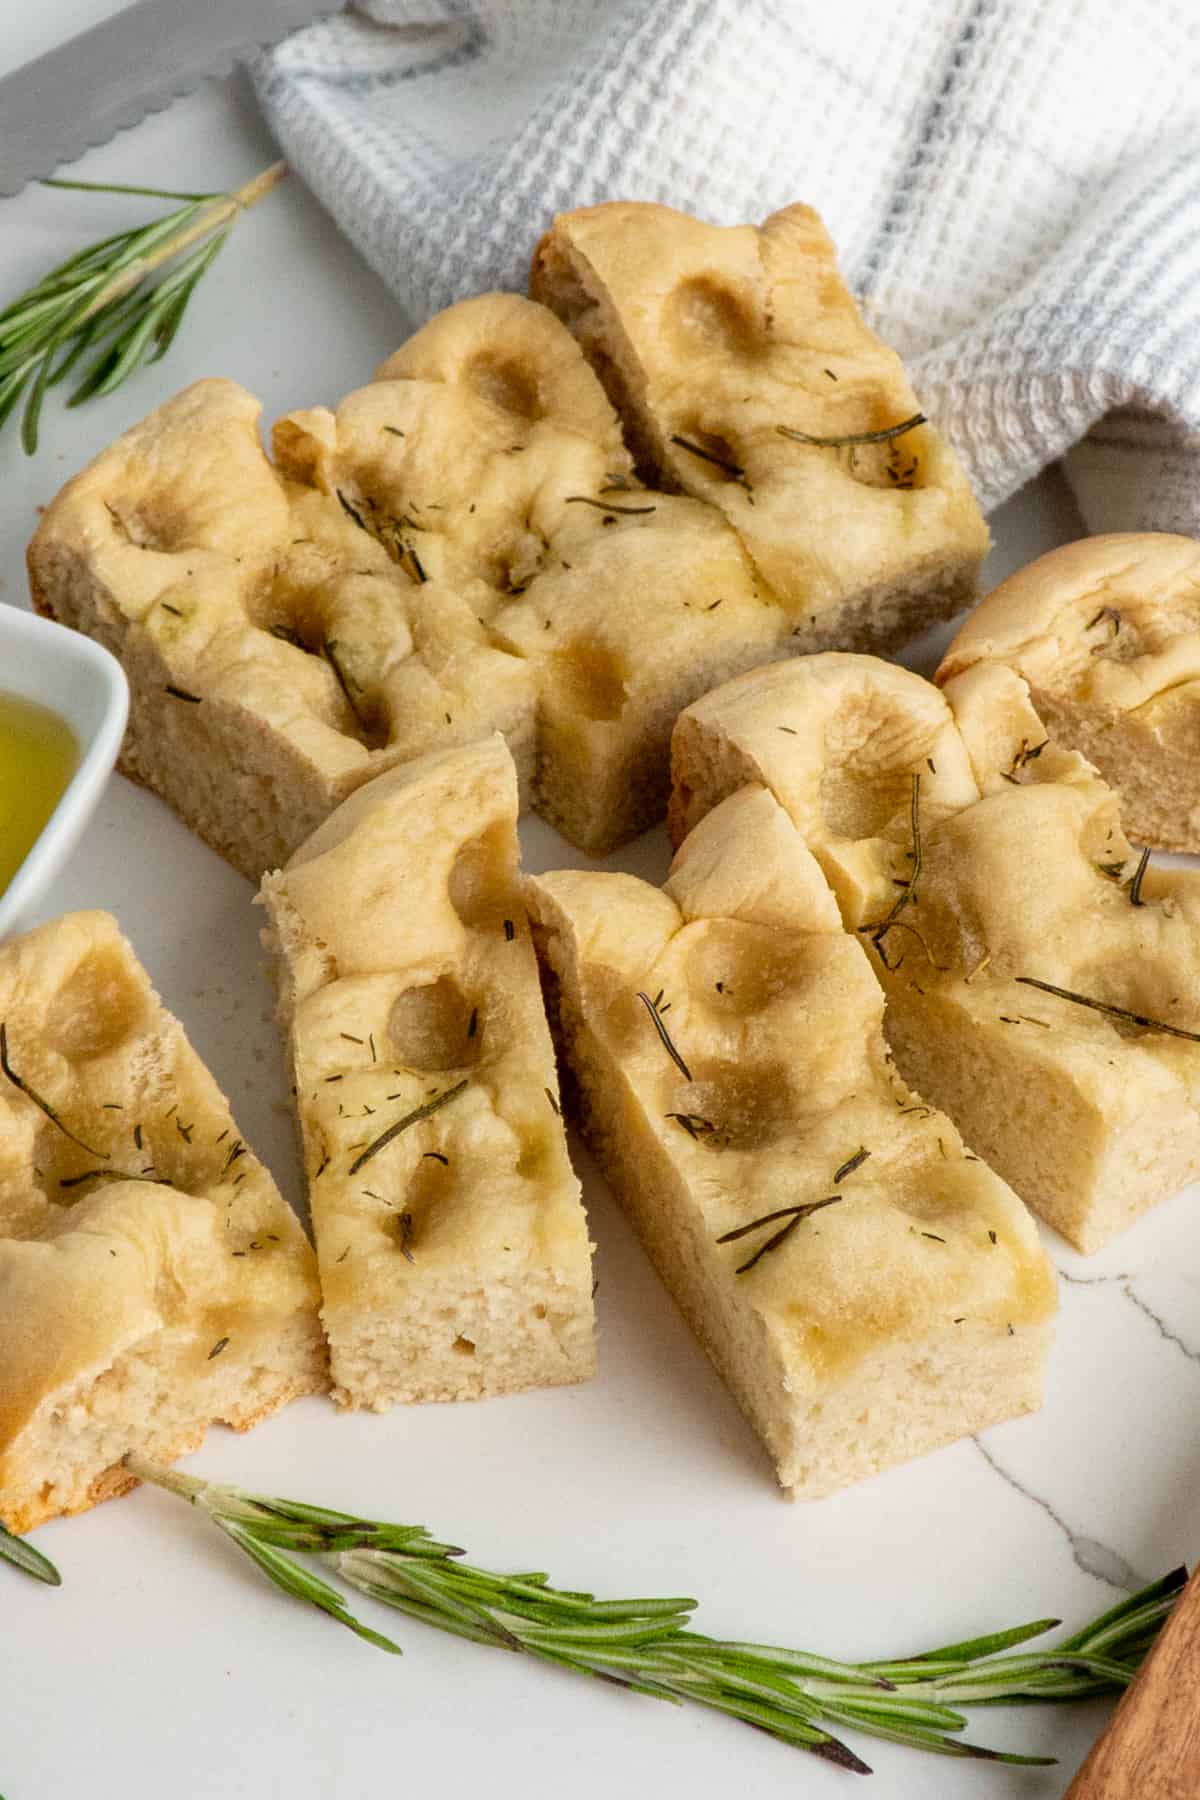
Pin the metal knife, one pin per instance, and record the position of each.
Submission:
(135, 63)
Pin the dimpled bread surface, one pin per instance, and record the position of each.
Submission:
(452, 1243)
(457, 549)
(1107, 634)
(152, 1280)
(975, 858)
(709, 339)
(912, 1304)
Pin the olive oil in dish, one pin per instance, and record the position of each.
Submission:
(38, 756)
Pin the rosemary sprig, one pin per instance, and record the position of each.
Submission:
(42, 1104)
(885, 436)
(101, 300)
(606, 505)
(1114, 1012)
(646, 1645)
(879, 929)
(23, 1556)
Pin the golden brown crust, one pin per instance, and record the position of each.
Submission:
(718, 336)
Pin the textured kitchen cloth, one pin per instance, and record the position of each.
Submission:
(1014, 185)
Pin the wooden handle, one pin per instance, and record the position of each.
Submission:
(1151, 1748)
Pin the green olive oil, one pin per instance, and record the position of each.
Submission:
(38, 756)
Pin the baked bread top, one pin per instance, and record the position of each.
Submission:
(1109, 623)
(408, 985)
(712, 338)
(976, 859)
(780, 1093)
(136, 1212)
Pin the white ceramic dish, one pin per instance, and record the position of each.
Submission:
(84, 685)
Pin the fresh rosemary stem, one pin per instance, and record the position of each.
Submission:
(102, 298)
(23, 1556)
(645, 1644)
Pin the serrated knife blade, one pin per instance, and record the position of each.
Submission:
(135, 63)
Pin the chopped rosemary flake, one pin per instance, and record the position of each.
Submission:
(329, 648)
(992, 1237)
(606, 505)
(695, 1124)
(709, 456)
(510, 931)
(473, 1022)
(557, 1109)
(179, 693)
(934, 1236)
(350, 1039)
(884, 436)
(42, 1105)
(217, 1348)
(1135, 886)
(351, 511)
(112, 1106)
(831, 374)
(371, 1046)
(1114, 1012)
(167, 607)
(418, 1113)
(414, 559)
(185, 1131)
(655, 1011)
(393, 430)
(137, 1136)
(405, 1225)
(72, 1181)
(436, 1156)
(854, 1162)
(795, 1215)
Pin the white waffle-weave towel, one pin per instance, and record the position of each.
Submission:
(1014, 185)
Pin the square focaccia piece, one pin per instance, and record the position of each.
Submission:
(1042, 986)
(745, 374)
(867, 1288)
(152, 1280)
(277, 654)
(486, 455)
(452, 1243)
(1107, 634)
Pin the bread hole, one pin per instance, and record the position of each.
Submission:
(738, 970)
(463, 1346)
(505, 384)
(481, 880)
(435, 1026)
(593, 680)
(707, 314)
(99, 1007)
(862, 803)
(734, 1105)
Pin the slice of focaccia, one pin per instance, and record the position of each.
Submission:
(452, 1243)
(1042, 986)
(867, 1288)
(152, 1280)
(745, 374)
(277, 654)
(1107, 634)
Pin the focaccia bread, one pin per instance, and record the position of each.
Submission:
(1107, 634)
(453, 551)
(709, 339)
(867, 1288)
(984, 867)
(152, 1280)
(452, 1244)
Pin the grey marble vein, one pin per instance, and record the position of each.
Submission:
(1088, 1553)
(1125, 1283)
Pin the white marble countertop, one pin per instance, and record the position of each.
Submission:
(165, 1665)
